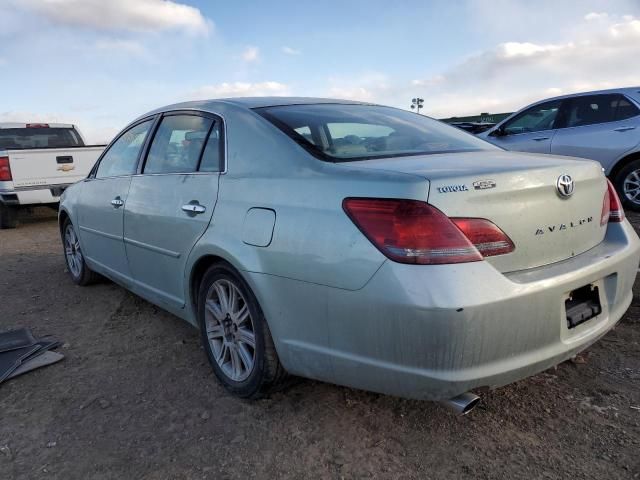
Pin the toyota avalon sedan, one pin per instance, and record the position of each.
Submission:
(353, 243)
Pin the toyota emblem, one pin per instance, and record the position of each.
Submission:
(565, 185)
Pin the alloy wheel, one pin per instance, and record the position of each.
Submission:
(230, 330)
(631, 186)
(72, 251)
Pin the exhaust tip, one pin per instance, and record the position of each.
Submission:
(463, 403)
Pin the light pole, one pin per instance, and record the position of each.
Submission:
(417, 103)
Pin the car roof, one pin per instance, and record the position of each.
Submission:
(214, 104)
(257, 102)
(633, 91)
(24, 125)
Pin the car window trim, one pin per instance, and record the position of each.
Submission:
(94, 170)
(198, 113)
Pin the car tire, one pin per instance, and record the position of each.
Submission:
(8, 216)
(80, 273)
(625, 183)
(236, 336)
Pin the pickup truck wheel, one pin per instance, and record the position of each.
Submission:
(8, 216)
(80, 273)
(627, 184)
(236, 336)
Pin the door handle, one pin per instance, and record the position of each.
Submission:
(117, 202)
(194, 208)
(540, 139)
(623, 129)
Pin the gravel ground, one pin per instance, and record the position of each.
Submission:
(136, 398)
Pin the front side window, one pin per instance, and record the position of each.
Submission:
(535, 119)
(177, 144)
(338, 132)
(122, 156)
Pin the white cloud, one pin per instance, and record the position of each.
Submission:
(595, 55)
(291, 51)
(240, 89)
(251, 54)
(596, 16)
(129, 47)
(132, 15)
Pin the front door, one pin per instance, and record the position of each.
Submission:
(530, 131)
(103, 198)
(170, 203)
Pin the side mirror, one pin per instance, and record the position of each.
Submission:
(498, 132)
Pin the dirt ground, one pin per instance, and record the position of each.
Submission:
(136, 398)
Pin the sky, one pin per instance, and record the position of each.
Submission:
(101, 63)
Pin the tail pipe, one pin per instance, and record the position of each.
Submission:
(462, 404)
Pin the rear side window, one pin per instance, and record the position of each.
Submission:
(213, 151)
(122, 156)
(178, 144)
(535, 119)
(592, 109)
(39, 137)
(625, 109)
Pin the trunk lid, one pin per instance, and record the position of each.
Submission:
(519, 193)
(51, 166)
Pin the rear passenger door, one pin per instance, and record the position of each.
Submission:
(599, 127)
(171, 202)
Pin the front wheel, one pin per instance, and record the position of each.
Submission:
(627, 184)
(80, 273)
(235, 334)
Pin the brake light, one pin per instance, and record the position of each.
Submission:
(606, 208)
(37, 125)
(5, 170)
(410, 231)
(616, 213)
(485, 236)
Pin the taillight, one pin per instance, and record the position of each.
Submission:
(485, 236)
(37, 125)
(616, 213)
(606, 208)
(5, 170)
(410, 231)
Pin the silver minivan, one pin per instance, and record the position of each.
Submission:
(602, 126)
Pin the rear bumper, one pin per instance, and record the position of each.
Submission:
(32, 195)
(435, 332)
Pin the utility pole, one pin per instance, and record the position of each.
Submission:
(417, 103)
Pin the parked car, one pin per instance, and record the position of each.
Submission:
(355, 244)
(602, 126)
(473, 127)
(37, 162)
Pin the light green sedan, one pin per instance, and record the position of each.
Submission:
(353, 243)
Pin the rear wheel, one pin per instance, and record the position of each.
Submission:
(8, 216)
(80, 273)
(235, 334)
(627, 184)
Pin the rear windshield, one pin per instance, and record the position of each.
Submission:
(39, 137)
(343, 133)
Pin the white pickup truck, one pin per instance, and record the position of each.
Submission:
(37, 162)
